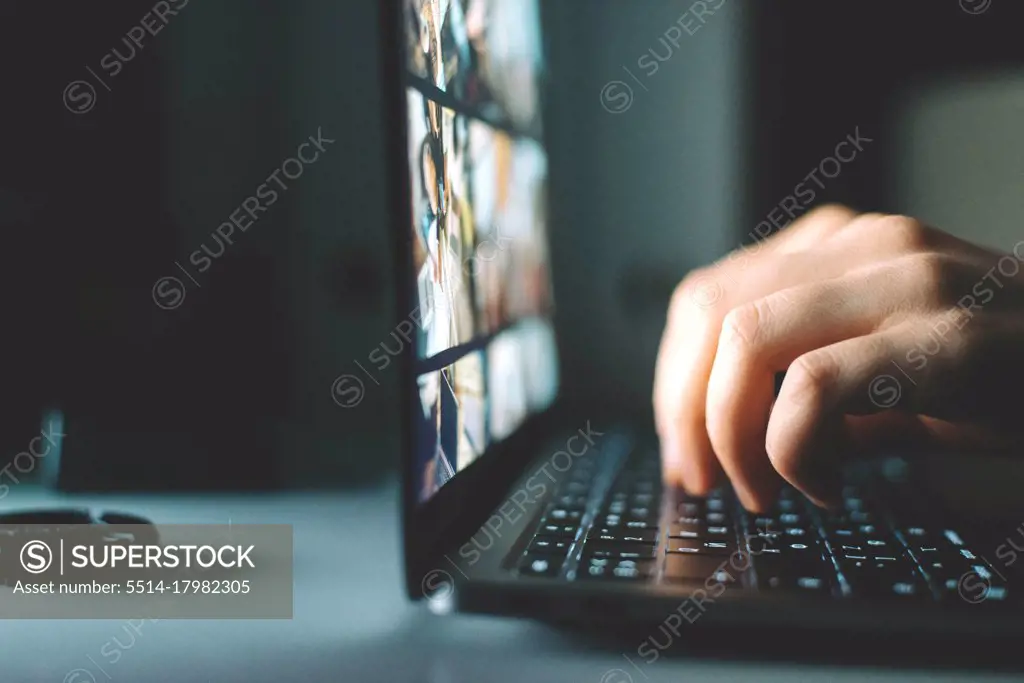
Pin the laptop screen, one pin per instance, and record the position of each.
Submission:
(486, 355)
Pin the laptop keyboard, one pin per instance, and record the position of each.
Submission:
(630, 530)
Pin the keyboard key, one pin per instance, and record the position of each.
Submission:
(884, 576)
(877, 544)
(786, 505)
(576, 488)
(809, 582)
(571, 501)
(560, 515)
(630, 551)
(540, 565)
(629, 514)
(694, 530)
(911, 588)
(615, 568)
(940, 561)
(938, 570)
(859, 563)
(701, 568)
(720, 545)
(762, 544)
(700, 546)
(642, 499)
(861, 517)
(788, 568)
(691, 509)
(853, 503)
(544, 544)
(560, 530)
(690, 521)
(885, 586)
(972, 588)
(622, 535)
(631, 523)
(800, 547)
(927, 552)
(718, 533)
(841, 534)
(683, 532)
(915, 532)
(612, 521)
(953, 537)
(880, 561)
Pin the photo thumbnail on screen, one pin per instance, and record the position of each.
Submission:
(485, 349)
(484, 53)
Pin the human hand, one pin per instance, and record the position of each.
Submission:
(890, 332)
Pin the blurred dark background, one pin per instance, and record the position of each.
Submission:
(104, 188)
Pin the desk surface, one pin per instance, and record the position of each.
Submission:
(351, 620)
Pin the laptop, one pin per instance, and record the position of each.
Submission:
(514, 502)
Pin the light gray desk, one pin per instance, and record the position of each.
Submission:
(351, 623)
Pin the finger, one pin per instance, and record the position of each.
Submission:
(686, 456)
(965, 381)
(804, 431)
(807, 233)
(902, 235)
(763, 337)
(688, 345)
(824, 223)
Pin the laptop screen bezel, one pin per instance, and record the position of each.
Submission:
(458, 508)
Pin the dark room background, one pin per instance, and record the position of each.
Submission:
(106, 191)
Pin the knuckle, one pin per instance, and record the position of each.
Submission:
(680, 295)
(932, 274)
(835, 215)
(808, 383)
(956, 338)
(809, 379)
(739, 258)
(858, 227)
(741, 326)
(903, 234)
(697, 291)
